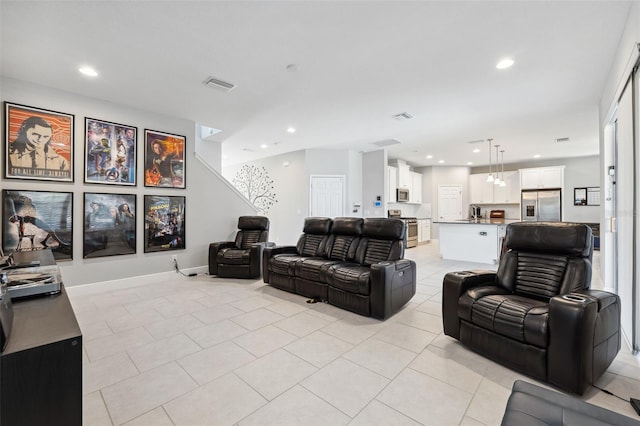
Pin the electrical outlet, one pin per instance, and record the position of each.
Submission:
(174, 258)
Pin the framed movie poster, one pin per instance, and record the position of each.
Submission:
(38, 144)
(164, 160)
(164, 227)
(36, 220)
(109, 225)
(109, 153)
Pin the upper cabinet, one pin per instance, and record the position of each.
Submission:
(542, 177)
(415, 190)
(392, 178)
(483, 192)
(404, 176)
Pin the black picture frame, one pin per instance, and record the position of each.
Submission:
(164, 223)
(38, 144)
(110, 153)
(580, 196)
(109, 225)
(164, 160)
(36, 220)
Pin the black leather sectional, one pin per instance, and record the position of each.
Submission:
(353, 263)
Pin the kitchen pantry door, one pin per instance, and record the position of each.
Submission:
(327, 196)
(449, 202)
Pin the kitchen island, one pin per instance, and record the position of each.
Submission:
(472, 240)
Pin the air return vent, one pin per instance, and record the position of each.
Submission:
(560, 140)
(217, 83)
(386, 142)
(403, 116)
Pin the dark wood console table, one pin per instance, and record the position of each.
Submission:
(41, 367)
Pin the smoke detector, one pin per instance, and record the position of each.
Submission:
(217, 83)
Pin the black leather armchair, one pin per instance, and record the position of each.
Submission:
(241, 258)
(536, 314)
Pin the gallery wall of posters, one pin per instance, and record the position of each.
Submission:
(109, 224)
(38, 144)
(34, 220)
(164, 223)
(164, 160)
(110, 153)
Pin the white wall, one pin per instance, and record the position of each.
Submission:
(212, 208)
(374, 174)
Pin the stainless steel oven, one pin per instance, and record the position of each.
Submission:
(411, 227)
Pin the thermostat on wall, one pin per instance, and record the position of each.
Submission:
(377, 204)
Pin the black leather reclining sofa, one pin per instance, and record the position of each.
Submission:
(353, 263)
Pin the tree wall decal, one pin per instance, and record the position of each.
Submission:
(255, 184)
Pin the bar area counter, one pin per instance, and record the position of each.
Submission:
(472, 240)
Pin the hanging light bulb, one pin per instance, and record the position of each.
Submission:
(497, 179)
(502, 182)
(490, 177)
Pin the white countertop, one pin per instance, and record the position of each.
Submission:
(478, 221)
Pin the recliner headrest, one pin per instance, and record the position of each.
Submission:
(253, 222)
(571, 239)
(317, 225)
(347, 226)
(383, 228)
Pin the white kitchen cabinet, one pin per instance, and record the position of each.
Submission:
(424, 231)
(404, 176)
(392, 178)
(415, 191)
(542, 177)
(510, 193)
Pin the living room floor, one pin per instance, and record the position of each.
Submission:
(213, 351)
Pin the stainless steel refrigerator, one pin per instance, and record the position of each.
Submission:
(542, 205)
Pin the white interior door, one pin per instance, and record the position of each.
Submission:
(327, 196)
(449, 202)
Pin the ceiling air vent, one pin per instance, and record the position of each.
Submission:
(477, 141)
(403, 116)
(559, 140)
(217, 83)
(386, 142)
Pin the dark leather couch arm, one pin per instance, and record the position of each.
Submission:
(271, 250)
(584, 333)
(393, 284)
(214, 248)
(454, 285)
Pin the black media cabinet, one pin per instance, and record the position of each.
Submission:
(41, 367)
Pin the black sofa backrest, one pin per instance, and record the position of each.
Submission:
(253, 229)
(545, 259)
(314, 236)
(382, 239)
(344, 239)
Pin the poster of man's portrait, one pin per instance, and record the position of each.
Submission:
(164, 223)
(110, 153)
(38, 144)
(164, 160)
(109, 225)
(36, 220)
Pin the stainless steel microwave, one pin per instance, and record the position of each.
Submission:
(402, 195)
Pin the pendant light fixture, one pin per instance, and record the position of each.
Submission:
(502, 182)
(490, 177)
(497, 181)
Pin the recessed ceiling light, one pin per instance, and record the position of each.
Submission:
(469, 163)
(264, 145)
(476, 150)
(504, 63)
(429, 156)
(286, 164)
(441, 161)
(291, 129)
(536, 156)
(88, 71)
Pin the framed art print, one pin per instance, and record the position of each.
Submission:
(109, 225)
(164, 223)
(164, 160)
(110, 153)
(36, 220)
(38, 144)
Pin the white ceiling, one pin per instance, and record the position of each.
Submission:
(358, 63)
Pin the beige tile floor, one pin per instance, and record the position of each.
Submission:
(210, 351)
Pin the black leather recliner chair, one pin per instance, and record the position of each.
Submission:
(536, 314)
(241, 258)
